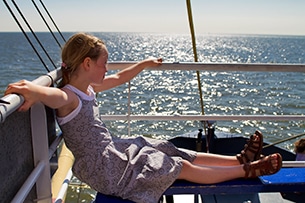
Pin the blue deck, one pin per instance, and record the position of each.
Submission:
(287, 180)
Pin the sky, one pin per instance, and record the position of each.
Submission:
(275, 17)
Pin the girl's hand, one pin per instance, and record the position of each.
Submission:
(153, 62)
(63, 100)
(25, 88)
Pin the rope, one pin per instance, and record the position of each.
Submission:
(34, 34)
(46, 10)
(191, 24)
(24, 33)
(129, 108)
(45, 22)
(284, 140)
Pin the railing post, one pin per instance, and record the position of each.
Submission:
(41, 152)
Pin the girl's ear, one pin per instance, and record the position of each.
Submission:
(86, 63)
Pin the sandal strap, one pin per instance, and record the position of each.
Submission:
(262, 167)
(252, 146)
(247, 170)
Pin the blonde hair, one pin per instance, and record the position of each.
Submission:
(76, 49)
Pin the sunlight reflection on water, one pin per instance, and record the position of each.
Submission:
(176, 92)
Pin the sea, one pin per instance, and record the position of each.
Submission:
(176, 92)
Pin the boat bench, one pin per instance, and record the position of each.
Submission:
(287, 180)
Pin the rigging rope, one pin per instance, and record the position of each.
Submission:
(129, 107)
(34, 34)
(46, 10)
(26, 36)
(191, 24)
(45, 22)
(284, 140)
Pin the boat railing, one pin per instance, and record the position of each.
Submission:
(196, 66)
(30, 134)
(15, 100)
(43, 151)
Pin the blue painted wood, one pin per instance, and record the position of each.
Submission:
(286, 176)
(286, 180)
(238, 186)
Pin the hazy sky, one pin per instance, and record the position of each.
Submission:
(170, 16)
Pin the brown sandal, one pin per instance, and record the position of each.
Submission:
(252, 150)
(262, 167)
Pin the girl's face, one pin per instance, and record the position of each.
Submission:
(99, 67)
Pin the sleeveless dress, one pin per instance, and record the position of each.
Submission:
(139, 169)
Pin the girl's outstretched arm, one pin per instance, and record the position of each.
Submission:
(126, 75)
(32, 93)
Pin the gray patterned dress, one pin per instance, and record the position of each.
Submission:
(139, 169)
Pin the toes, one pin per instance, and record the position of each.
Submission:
(274, 160)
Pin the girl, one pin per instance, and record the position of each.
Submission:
(139, 169)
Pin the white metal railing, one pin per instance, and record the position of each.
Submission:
(41, 153)
(203, 117)
(294, 164)
(191, 66)
(10, 103)
(194, 66)
(29, 183)
(61, 194)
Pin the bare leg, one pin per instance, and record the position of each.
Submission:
(210, 174)
(215, 160)
(215, 174)
(251, 153)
